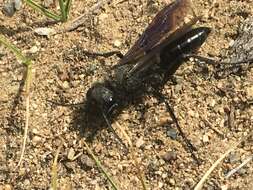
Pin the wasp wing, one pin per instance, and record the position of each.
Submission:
(151, 58)
(164, 23)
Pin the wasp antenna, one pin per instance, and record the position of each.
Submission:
(66, 105)
(115, 133)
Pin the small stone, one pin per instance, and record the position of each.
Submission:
(70, 165)
(26, 182)
(160, 184)
(140, 142)
(205, 138)
(211, 102)
(65, 85)
(169, 156)
(33, 49)
(172, 133)
(233, 158)
(36, 140)
(249, 92)
(164, 175)
(231, 43)
(172, 182)
(44, 31)
(117, 43)
(17, 4)
(8, 9)
(86, 162)
(178, 88)
(71, 154)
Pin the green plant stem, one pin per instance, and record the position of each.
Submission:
(27, 115)
(63, 10)
(43, 10)
(28, 63)
(54, 168)
(67, 6)
(101, 167)
(15, 50)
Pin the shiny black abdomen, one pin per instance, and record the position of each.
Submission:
(172, 55)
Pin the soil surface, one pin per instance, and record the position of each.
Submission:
(213, 112)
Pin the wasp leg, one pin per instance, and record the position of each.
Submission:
(115, 133)
(103, 54)
(189, 146)
(221, 67)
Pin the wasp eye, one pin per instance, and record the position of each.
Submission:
(101, 98)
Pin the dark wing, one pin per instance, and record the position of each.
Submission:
(164, 23)
(149, 59)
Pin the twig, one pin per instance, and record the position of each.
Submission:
(139, 172)
(209, 171)
(246, 161)
(81, 19)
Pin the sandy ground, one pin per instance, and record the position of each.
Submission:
(62, 73)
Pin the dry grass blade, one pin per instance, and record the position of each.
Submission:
(239, 167)
(54, 168)
(132, 152)
(99, 165)
(27, 105)
(217, 162)
(28, 63)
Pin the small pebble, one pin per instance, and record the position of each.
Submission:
(231, 43)
(11, 7)
(86, 162)
(117, 43)
(242, 171)
(33, 49)
(164, 175)
(71, 154)
(44, 31)
(17, 4)
(205, 138)
(139, 142)
(65, 85)
(26, 182)
(169, 156)
(172, 181)
(36, 140)
(249, 92)
(8, 9)
(172, 133)
(70, 165)
(233, 158)
(160, 184)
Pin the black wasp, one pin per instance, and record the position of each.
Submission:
(148, 65)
